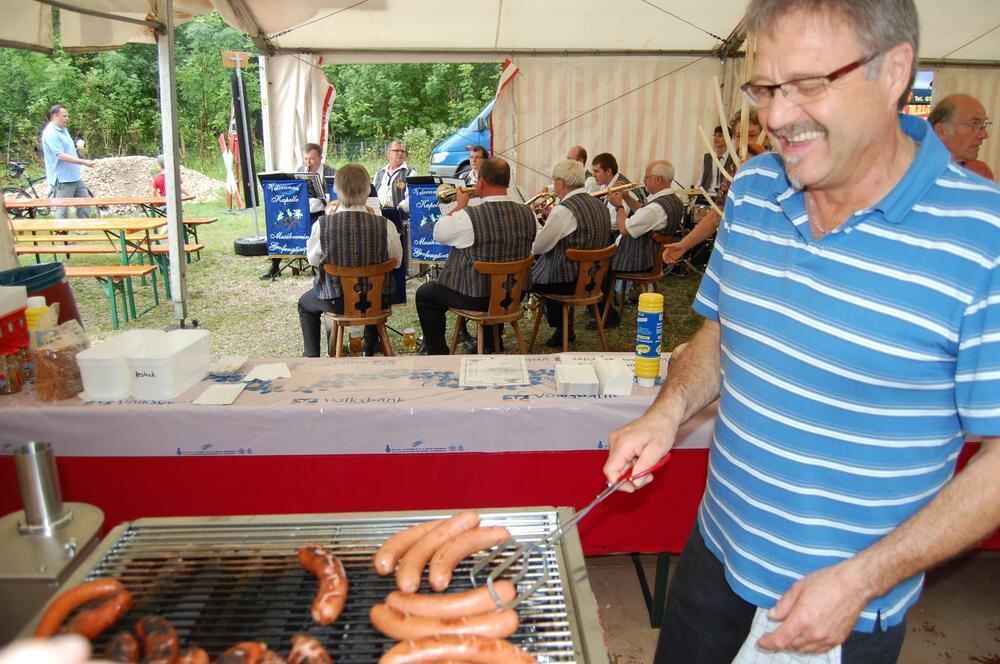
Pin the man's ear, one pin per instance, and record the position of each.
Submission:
(899, 63)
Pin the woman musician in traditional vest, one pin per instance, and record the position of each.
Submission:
(579, 221)
(353, 237)
(497, 230)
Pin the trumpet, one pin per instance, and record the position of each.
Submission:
(617, 189)
(447, 193)
(539, 203)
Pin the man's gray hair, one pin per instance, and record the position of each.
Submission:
(878, 24)
(395, 141)
(352, 185)
(663, 169)
(571, 172)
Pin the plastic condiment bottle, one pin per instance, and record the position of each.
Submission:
(648, 339)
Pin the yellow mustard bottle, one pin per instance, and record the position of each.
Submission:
(648, 339)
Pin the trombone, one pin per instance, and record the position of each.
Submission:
(618, 189)
(447, 193)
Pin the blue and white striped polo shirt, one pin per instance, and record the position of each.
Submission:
(851, 366)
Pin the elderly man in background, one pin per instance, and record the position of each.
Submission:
(579, 221)
(852, 335)
(354, 236)
(961, 123)
(491, 228)
(663, 211)
(579, 153)
(62, 163)
(390, 180)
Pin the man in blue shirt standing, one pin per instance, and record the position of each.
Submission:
(852, 335)
(62, 163)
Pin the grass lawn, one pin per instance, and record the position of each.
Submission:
(257, 318)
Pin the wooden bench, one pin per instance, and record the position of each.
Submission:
(115, 279)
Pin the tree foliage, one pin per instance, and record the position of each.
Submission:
(113, 100)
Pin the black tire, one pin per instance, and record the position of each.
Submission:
(250, 246)
(17, 194)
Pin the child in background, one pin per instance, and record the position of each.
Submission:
(160, 181)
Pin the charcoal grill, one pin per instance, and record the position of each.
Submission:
(221, 580)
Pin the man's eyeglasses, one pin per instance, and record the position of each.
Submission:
(976, 125)
(399, 151)
(799, 90)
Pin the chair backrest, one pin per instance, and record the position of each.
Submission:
(660, 240)
(593, 266)
(507, 282)
(362, 287)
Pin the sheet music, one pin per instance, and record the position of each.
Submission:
(489, 371)
(751, 654)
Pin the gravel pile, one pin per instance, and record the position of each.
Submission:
(133, 176)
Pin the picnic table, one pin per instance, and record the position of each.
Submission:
(152, 206)
(114, 279)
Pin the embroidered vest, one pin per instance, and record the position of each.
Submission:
(350, 239)
(592, 232)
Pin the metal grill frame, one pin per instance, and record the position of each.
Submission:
(351, 638)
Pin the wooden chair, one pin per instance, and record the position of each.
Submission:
(593, 264)
(506, 286)
(362, 288)
(647, 281)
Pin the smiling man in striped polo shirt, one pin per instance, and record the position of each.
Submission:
(852, 332)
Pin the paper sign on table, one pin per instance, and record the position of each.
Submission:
(488, 371)
(219, 395)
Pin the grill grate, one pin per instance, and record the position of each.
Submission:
(221, 581)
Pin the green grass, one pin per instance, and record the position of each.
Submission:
(257, 318)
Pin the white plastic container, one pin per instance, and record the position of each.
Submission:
(104, 369)
(163, 369)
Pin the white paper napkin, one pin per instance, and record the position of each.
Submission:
(219, 394)
(268, 372)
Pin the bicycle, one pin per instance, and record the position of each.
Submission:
(25, 191)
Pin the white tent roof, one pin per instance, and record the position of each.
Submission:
(442, 30)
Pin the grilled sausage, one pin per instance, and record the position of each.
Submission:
(123, 647)
(452, 605)
(64, 604)
(245, 652)
(193, 655)
(396, 546)
(91, 622)
(159, 640)
(307, 650)
(329, 571)
(400, 626)
(475, 649)
(446, 559)
(411, 566)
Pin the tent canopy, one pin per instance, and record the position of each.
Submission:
(961, 31)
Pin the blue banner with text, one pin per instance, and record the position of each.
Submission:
(424, 213)
(286, 214)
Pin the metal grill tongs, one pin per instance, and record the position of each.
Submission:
(524, 552)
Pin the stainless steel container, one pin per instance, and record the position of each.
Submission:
(43, 544)
(229, 579)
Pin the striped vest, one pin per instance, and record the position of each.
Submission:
(503, 231)
(635, 254)
(350, 239)
(592, 232)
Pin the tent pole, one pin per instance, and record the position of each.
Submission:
(265, 110)
(250, 187)
(168, 120)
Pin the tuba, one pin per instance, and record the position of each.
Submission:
(447, 193)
